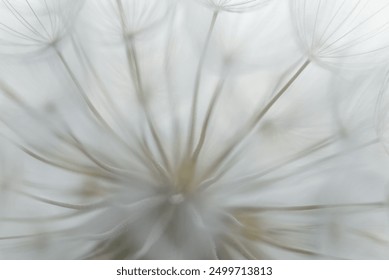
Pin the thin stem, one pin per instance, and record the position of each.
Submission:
(362, 206)
(79, 87)
(308, 166)
(257, 175)
(91, 207)
(169, 50)
(247, 131)
(134, 67)
(205, 125)
(113, 110)
(105, 166)
(199, 71)
(69, 166)
(275, 98)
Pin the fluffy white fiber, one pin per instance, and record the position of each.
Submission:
(150, 129)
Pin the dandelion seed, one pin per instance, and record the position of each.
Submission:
(130, 19)
(343, 33)
(235, 6)
(30, 26)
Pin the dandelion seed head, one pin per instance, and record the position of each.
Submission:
(144, 149)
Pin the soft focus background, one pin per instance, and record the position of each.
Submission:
(194, 129)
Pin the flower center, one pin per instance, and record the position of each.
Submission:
(177, 198)
(184, 177)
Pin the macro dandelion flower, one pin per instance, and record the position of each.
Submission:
(139, 149)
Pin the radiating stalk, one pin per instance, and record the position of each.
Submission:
(133, 64)
(205, 125)
(193, 117)
(249, 128)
